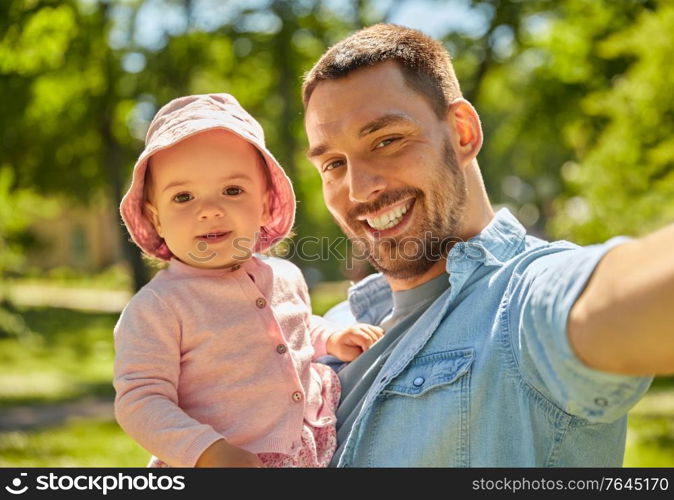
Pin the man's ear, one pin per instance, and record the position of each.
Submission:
(466, 130)
(153, 215)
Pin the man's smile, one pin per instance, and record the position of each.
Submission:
(389, 220)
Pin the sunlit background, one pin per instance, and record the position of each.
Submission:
(576, 99)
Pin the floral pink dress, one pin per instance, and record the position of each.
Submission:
(318, 443)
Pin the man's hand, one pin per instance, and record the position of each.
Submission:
(223, 454)
(350, 343)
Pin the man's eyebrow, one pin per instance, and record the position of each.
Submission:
(370, 127)
(384, 121)
(316, 151)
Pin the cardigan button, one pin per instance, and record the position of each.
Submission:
(297, 396)
(281, 349)
(260, 303)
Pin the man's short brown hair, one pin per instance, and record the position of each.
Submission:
(425, 63)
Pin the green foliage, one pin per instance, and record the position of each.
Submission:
(578, 117)
(649, 441)
(77, 116)
(78, 443)
(68, 354)
(626, 174)
(17, 208)
(573, 96)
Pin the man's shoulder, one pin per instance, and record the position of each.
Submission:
(540, 255)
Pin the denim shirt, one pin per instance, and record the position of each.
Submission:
(486, 376)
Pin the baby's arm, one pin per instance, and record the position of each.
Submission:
(147, 369)
(329, 338)
(349, 343)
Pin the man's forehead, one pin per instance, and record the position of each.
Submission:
(346, 104)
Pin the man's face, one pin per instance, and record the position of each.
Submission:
(390, 176)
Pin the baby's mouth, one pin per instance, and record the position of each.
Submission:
(214, 236)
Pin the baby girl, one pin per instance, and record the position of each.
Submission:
(214, 356)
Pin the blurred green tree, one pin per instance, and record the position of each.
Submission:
(63, 127)
(623, 136)
(578, 115)
(572, 94)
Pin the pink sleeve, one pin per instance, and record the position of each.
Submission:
(147, 370)
(320, 328)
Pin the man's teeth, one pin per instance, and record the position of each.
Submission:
(388, 219)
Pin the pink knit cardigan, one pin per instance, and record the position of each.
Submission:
(203, 354)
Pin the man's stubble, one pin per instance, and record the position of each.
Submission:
(415, 253)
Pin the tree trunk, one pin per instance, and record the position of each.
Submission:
(113, 157)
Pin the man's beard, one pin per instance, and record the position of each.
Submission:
(432, 237)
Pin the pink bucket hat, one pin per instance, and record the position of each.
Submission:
(185, 117)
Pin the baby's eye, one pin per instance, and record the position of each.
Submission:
(233, 191)
(183, 197)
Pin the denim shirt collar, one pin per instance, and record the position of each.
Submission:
(497, 243)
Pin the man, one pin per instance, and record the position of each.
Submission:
(500, 349)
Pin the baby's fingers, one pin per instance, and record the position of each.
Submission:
(361, 339)
(374, 333)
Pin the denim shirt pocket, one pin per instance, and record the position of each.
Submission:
(430, 371)
(421, 418)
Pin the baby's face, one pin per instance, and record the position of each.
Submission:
(208, 198)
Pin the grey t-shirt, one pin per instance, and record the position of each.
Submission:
(357, 377)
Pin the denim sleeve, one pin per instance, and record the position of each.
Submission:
(341, 314)
(548, 284)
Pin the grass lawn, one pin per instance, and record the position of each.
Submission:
(79, 443)
(70, 354)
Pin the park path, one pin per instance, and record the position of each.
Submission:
(84, 299)
(29, 417)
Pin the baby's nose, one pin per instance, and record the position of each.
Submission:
(210, 210)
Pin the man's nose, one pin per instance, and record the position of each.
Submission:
(365, 183)
(209, 209)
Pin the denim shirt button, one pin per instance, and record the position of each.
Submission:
(601, 402)
(419, 381)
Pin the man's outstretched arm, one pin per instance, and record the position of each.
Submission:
(623, 322)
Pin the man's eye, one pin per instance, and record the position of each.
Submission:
(332, 165)
(233, 191)
(385, 142)
(182, 197)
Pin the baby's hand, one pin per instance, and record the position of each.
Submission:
(223, 454)
(351, 342)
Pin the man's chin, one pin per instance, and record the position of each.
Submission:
(402, 269)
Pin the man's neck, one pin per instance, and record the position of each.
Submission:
(478, 214)
(406, 284)
(485, 217)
